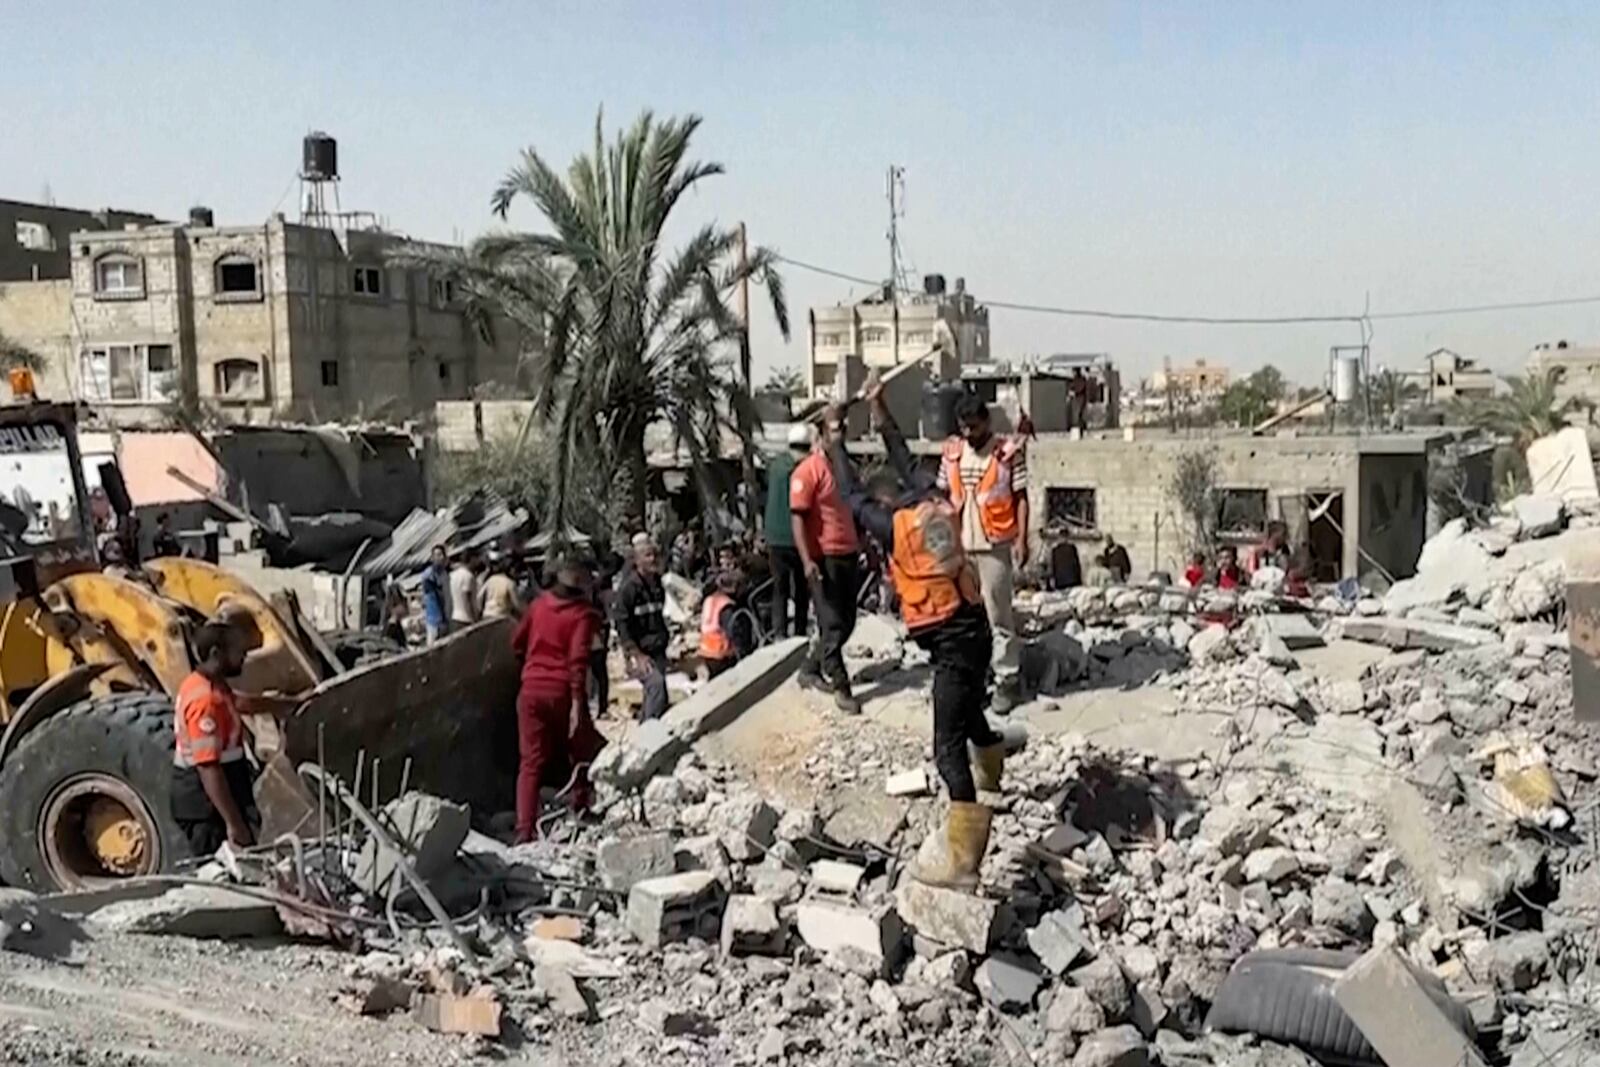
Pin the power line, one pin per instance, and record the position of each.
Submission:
(1220, 320)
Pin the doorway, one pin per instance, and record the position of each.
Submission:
(1325, 535)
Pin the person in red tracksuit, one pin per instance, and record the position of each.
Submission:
(556, 736)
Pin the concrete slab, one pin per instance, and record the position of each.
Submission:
(1386, 1000)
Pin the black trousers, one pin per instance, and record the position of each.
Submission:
(960, 647)
(788, 587)
(836, 618)
(201, 823)
(600, 679)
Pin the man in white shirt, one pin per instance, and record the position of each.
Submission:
(464, 590)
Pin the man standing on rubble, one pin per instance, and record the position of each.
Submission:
(436, 594)
(639, 612)
(943, 610)
(825, 537)
(788, 578)
(987, 481)
(213, 800)
(554, 730)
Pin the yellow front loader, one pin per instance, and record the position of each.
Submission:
(89, 661)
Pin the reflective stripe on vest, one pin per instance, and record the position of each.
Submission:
(930, 569)
(226, 744)
(714, 644)
(997, 506)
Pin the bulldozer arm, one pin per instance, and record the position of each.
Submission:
(449, 708)
(282, 663)
(114, 619)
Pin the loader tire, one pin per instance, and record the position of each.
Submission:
(357, 648)
(86, 796)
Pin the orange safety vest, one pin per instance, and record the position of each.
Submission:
(997, 504)
(930, 568)
(714, 644)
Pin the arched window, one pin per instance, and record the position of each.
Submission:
(118, 275)
(237, 277)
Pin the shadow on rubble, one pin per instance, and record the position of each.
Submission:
(1056, 664)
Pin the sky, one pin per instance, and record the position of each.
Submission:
(1222, 159)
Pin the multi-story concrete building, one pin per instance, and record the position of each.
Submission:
(1576, 370)
(1446, 375)
(34, 243)
(888, 328)
(277, 320)
(1197, 380)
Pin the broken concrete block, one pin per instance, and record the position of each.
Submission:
(570, 957)
(912, 783)
(1295, 631)
(1119, 1046)
(1540, 515)
(831, 876)
(1415, 633)
(948, 916)
(751, 927)
(1073, 1011)
(662, 1018)
(745, 825)
(827, 927)
(862, 815)
(446, 1013)
(1211, 645)
(652, 748)
(1009, 983)
(1105, 983)
(1058, 939)
(558, 928)
(1270, 865)
(428, 829)
(1516, 963)
(729, 695)
(702, 853)
(675, 908)
(1062, 839)
(775, 882)
(379, 996)
(876, 637)
(567, 998)
(1387, 1001)
(623, 861)
(192, 911)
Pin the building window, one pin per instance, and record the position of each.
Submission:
(237, 278)
(368, 281)
(444, 373)
(1071, 508)
(118, 277)
(140, 373)
(444, 293)
(831, 340)
(1241, 512)
(238, 379)
(917, 337)
(330, 373)
(875, 335)
(34, 236)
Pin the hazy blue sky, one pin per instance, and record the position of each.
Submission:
(1232, 159)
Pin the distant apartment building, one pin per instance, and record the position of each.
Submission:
(1576, 370)
(1197, 380)
(278, 320)
(1447, 375)
(34, 243)
(887, 329)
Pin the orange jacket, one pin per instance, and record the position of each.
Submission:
(714, 642)
(930, 568)
(997, 501)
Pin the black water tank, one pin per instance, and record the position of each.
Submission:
(202, 216)
(319, 157)
(933, 284)
(939, 409)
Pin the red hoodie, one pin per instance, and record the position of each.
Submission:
(553, 640)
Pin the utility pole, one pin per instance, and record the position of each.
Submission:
(746, 372)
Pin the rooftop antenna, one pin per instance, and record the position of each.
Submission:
(897, 209)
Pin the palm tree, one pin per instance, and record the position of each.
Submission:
(630, 334)
(14, 353)
(1529, 410)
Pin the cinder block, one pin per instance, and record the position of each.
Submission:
(1386, 1000)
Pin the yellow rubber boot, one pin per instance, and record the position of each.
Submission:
(987, 763)
(951, 855)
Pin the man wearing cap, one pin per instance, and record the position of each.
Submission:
(788, 577)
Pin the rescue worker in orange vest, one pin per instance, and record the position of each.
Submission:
(727, 631)
(943, 610)
(986, 478)
(213, 799)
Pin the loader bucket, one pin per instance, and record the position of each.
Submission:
(450, 708)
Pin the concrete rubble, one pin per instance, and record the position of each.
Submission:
(1336, 772)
